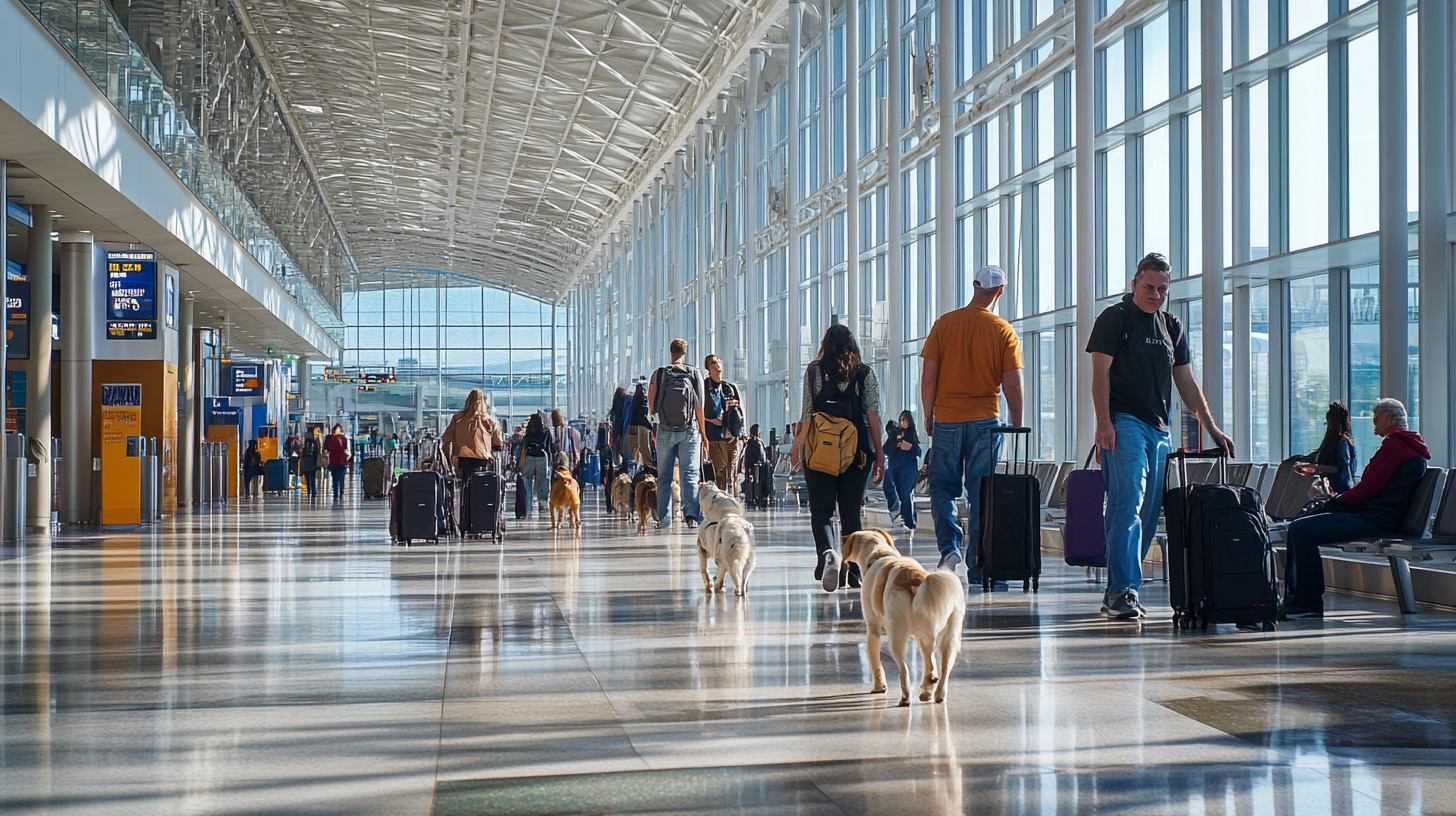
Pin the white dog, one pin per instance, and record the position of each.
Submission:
(729, 542)
(717, 505)
(901, 600)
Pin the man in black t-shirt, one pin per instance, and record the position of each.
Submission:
(1138, 353)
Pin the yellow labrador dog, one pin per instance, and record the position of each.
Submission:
(901, 600)
(726, 537)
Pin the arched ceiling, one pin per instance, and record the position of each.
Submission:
(497, 139)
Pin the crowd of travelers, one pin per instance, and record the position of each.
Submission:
(682, 418)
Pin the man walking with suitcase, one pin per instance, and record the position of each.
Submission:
(970, 358)
(1138, 353)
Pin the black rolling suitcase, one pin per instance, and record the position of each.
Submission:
(275, 476)
(523, 502)
(1219, 558)
(1010, 528)
(420, 508)
(481, 503)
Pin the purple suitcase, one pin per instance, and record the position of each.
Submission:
(1083, 541)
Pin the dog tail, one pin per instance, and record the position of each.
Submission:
(942, 598)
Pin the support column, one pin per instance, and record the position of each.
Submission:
(187, 403)
(1085, 270)
(894, 273)
(1394, 332)
(5, 509)
(1436, 419)
(554, 402)
(77, 321)
(851, 172)
(792, 261)
(948, 296)
(1211, 78)
(38, 375)
(755, 347)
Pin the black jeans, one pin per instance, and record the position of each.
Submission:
(826, 493)
(467, 465)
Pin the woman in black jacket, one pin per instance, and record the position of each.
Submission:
(536, 452)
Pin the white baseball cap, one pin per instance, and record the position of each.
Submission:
(990, 277)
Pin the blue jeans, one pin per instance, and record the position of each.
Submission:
(960, 454)
(900, 488)
(336, 474)
(536, 471)
(1304, 571)
(680, 448)
(1134, 476)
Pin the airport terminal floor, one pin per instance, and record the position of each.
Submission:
(278, 657)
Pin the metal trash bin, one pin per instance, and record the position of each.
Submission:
(13, 478)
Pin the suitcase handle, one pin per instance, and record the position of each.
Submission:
(1183, 456)
(1091, 455)
(1018, 433)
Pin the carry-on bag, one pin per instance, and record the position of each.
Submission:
(1010, 529)
(1219, 558)
(523, 502)
(481, 505)
(420, 507)
(275, 476)
(374, 473)
(1084, 543)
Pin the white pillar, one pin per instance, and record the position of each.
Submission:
(187, 402)
(1211, 78)
(1084, 21)
(945, 255)
(1394, 332)
(796, 21)
(756, 347)
(852, 150)
(38, 374)
(894, 273)
(1436, 419)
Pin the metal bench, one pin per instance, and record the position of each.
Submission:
(1412, 544)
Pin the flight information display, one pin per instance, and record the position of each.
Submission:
(131, 295)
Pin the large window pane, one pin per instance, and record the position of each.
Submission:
(1309, 360)
(1114, 91)
(1307, 15)
(1046, 247)
(1155, 61)
(1364, 356)
(1115, 198)
(1309, 169)
(1156, 195)
(1259, 373)
(1046, 393)
(1364, 134)
(1259, 171)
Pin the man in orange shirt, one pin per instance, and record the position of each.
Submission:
(970, 358)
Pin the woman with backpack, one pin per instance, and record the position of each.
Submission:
(252, 469)
(308, 461)
(839, 429)
(534, 460)
(336, 445)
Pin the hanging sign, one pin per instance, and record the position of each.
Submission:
(131, 295)
(242, 379)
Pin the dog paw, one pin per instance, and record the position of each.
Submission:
(904, 702)
(924, 696)
(879, 688)
(940, 698)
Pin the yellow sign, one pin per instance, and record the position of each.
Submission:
(121, 464)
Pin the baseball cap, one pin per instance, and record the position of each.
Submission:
(990, 277)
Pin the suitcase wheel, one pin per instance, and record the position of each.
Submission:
(1035, 584)
(1270, 626)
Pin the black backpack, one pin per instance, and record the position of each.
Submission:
(677, 397)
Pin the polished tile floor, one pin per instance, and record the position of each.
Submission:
(284, 658)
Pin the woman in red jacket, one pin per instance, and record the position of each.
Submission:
(1371, 509)
(337, 447)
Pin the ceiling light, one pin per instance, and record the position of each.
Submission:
(313, 109)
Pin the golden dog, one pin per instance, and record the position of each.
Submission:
(901, 600)
(646, 502)
(622, 495)
(565, 500)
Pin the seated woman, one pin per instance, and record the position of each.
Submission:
(1335, 458)
(1373, 508)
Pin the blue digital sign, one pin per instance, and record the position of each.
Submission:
(131, 295)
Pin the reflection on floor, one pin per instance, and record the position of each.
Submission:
(284, 658)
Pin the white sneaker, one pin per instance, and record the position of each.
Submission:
(950, 562)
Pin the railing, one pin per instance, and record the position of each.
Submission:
(90, 32)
